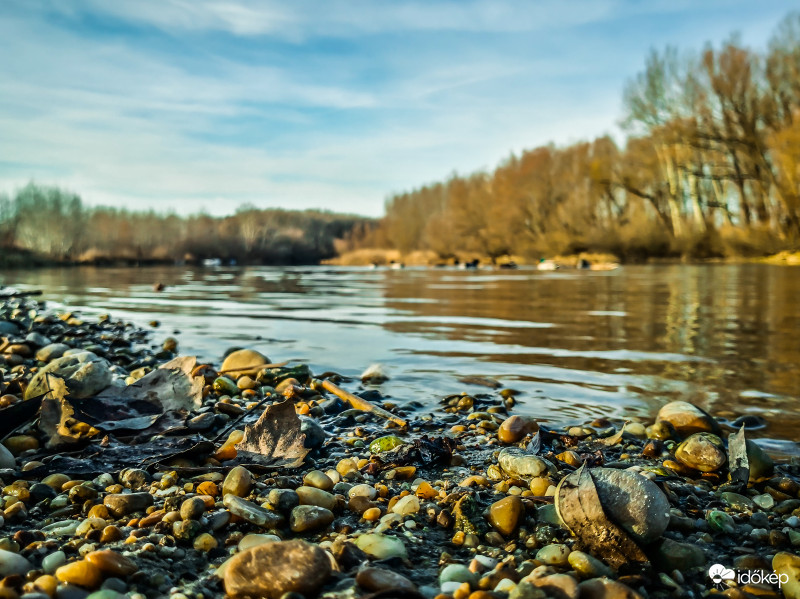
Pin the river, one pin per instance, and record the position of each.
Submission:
(576, 344)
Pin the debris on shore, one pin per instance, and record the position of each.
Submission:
(129, 471)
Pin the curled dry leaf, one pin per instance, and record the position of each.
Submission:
(737, 458)
(614, 439)
(275, 439)
(579, 508)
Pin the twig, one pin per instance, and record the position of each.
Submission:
(361, 404)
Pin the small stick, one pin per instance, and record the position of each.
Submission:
(361, 404)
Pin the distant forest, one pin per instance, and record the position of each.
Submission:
(47, 224)
(711, 167)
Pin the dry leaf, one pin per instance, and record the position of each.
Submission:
(613, 440)
(55, 412)
(738, 463)
(275, 439)
(169, 387)
(579, 507)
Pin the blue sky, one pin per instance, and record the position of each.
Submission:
(192, 105)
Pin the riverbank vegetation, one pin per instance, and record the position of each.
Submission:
(710, 169)
(41, 224)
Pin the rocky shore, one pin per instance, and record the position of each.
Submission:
(129, 470)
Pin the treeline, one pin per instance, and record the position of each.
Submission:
(710, 168)
(44, 222)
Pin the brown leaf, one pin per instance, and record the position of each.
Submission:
(275, 439)
(613, 440)
(55, 412)
(579, 507)
(169, 387)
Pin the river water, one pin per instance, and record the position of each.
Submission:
(576, 344)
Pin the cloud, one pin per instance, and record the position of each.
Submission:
(209, 104)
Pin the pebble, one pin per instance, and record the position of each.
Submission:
(457, 573)
(603, 588)
(381, 546)
(377, 579)
(283, 500)
(254, 539)
(272, 569)
(517, 462)
(82, 573)
(243, 362)
(314, 496)
(407, 505)
(112, 563)
(192, 508)
(238, 482)
(702, 451)
(588, 566)
(250, 512)
(120, 504)
(13, 563)
(305, 518)
(515, 428)
(687, 418)
(319, 480)
(788, 564)
(560, 586)
(555, 554)
(505, 514)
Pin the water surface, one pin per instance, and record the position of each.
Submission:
(577, 344)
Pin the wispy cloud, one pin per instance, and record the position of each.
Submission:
(205, 104)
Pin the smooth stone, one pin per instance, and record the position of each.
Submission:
(85, 374)
(7, 459)
(239, 482)
(53, 561)
(386, 443)
(51, 352)
(588, 566)
(272, 569)
(603, 588)
(381, 546)
(309, 517)
(517, 462)
(505, 515)
(702, 451)
(8, 329)
(62, 528)
(515, 428)
(557, 586)
(192, 508)
(112, 563)
(406, 506)
(13, 563)
(738, 502)
(672, 555)
(315, 434)
(555, 554)
(249, 511)
(362, 490)
(788, 564)
(243, 362)
(377, 579)
(255, 539)
(457, 573)
(120, 504)
(633, 502)
(318, 480)
(687, 418)
(82, 573)
(283, 500)
(318, 497)
(761, 465)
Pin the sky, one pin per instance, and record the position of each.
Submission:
(206, 105)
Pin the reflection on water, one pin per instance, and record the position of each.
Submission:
(578, 344)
